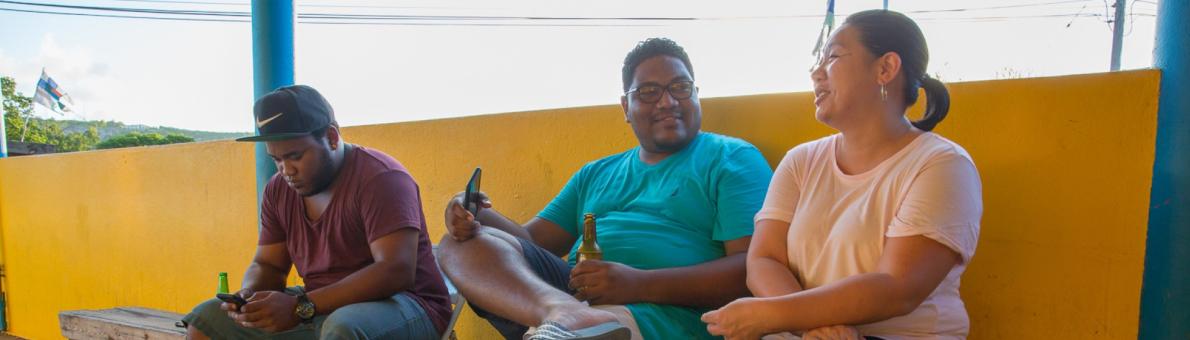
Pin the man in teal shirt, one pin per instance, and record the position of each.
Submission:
(674, 221)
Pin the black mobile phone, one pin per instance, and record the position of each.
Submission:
(471, 194)
(233, 299)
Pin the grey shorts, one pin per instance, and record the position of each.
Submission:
(398, 317)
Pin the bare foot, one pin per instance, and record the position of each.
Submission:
(578, 316)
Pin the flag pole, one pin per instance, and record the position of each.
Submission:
(828, 24)
(25, 128)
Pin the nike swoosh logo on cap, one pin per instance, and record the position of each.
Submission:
(262, 123)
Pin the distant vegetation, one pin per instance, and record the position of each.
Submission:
(108, 129)
(75, 135)
(140, 139)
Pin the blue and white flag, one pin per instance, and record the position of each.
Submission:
(828, 25)
(51, 96)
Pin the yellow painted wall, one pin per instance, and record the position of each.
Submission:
(142, 226)
(1066, 165)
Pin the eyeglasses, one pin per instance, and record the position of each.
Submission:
(825, 58)
(679, 90)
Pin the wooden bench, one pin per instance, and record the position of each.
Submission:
(121, 323)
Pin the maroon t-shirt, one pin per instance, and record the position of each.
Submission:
(374, 196)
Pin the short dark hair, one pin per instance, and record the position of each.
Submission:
(649, 48)
(883, 31)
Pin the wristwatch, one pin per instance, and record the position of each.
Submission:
(305, 308)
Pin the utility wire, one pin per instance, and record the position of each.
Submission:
(442, 7)
(118, 16)
(375, 16)
(221, 3)
(463, 20)
(997, 7)
(225, 3)
(324, 22)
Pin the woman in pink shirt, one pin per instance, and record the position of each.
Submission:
(865, 233)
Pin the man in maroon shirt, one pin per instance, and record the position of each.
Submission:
(350, 219)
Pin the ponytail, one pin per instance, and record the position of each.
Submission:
(937, 103)
(884, 31)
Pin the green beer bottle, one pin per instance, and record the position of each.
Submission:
(223, 283)
(589, 250)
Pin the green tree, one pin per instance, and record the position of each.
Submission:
(17, 108)
(140, 139)
(21, 125)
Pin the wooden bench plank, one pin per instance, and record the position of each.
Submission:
(121, 323)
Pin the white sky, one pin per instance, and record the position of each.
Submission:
(198, 75)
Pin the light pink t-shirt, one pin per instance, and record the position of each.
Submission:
(839, 222)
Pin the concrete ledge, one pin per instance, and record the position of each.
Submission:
(121, 323)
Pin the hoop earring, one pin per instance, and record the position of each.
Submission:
(883, 94)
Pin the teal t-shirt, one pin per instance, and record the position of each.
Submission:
(674, 213)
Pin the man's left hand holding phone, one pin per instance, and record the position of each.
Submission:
(463, 208)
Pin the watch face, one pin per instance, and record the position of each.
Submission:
(305, 310)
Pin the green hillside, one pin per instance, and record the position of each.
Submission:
(109, 129)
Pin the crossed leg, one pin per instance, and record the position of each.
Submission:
(491, 270)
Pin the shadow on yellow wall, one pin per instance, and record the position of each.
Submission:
(1066, 164)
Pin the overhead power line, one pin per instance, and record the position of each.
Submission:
(997, 7)
(244, 3)
(118, 16)
(464, 20)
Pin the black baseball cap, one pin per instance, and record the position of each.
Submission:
(290, 112)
